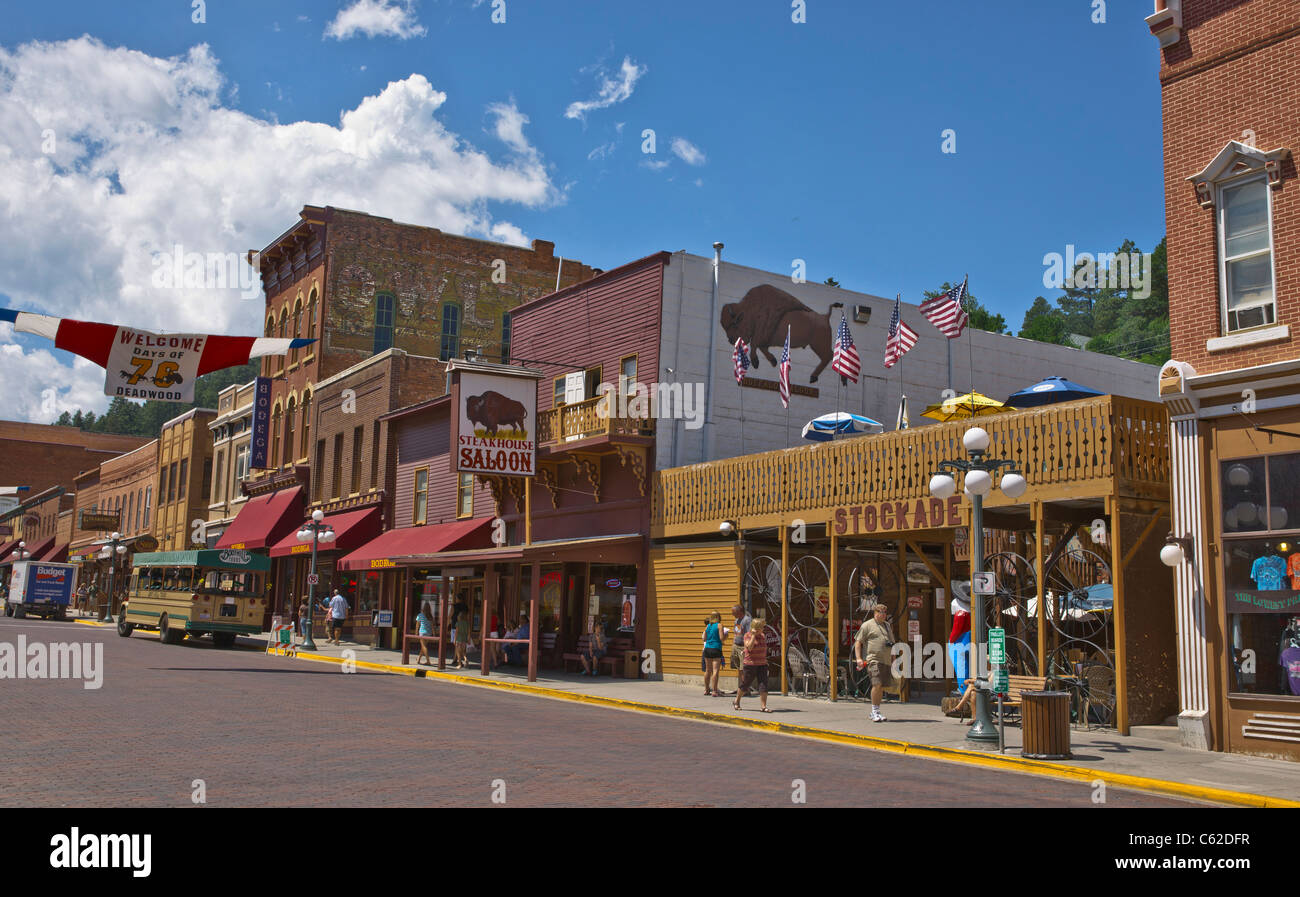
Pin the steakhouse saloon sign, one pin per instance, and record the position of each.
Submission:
(498, 425)
(892, 516)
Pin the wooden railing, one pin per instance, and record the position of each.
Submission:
(586, 420)
(1079, 449)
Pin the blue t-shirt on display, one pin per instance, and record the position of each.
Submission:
(1267, 571)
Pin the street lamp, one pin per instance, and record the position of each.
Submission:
(109, 553)
(314, 532)
(980, 471)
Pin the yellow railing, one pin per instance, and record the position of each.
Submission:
(1075, 449)
(585, 420)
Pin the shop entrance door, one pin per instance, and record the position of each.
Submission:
(575, 606)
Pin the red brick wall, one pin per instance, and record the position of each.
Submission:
(1235, 68)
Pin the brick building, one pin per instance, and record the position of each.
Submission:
(1229, 78)
(361, 284)
(183, 479)
(232, 433)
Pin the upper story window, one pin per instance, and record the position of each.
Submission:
(505, 338)
(1246, 254)
(311, 326)
(383, 322)
(450, 331)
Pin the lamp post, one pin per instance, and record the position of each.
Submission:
(314, 532)
(980, 470)
(109, 552)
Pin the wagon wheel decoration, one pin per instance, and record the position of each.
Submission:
(1014, 607)
(761, 588)
(1081, 610)
(810, 588)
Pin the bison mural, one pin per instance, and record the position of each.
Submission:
(762, 316)
(491, 409)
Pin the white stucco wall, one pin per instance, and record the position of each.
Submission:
(1002, 365)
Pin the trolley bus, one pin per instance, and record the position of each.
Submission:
(196, 593)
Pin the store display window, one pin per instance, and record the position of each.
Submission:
(1262, 596)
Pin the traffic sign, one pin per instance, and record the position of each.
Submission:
(983, 584)
(1001, 682)
(997, 646)
(313, 579)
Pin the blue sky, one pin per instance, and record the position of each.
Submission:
(820, 140)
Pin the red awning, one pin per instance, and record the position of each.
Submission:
(36, 551)
(7, 547)
(352, 529)
(264, 521)
(379, 553)
(57, 554)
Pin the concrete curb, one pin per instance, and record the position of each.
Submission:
(93, 623)
(912, 749)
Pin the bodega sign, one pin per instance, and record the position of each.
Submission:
(892, 516)
(497, 433)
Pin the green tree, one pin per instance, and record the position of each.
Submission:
(831, 282)
(65, 420)
(1045, 324)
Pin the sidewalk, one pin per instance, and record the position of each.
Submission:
(1149, 760)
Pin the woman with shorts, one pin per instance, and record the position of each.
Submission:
(754, 664)
(713, 636)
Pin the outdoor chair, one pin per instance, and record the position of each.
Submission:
(821, 670)
(799, 667)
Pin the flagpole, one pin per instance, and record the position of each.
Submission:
(741, 384)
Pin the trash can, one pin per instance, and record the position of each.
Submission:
(631, 665)
(1045, 725)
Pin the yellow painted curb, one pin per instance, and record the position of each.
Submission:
(93, 622)
(912, 749)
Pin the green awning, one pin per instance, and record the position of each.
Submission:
(220, 559)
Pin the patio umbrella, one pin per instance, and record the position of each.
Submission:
(824, 428)
(973, 404)
(1050, 391)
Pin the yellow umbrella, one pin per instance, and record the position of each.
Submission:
(973, 404)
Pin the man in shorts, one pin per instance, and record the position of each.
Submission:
(871, 650)
(743, 621)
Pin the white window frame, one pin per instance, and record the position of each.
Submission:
(1221, 248)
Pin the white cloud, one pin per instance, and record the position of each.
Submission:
(656, 164)
(149, 154)
(687, 151)
(376, 18)
(613, 89)
(39, 388)
(601, 151)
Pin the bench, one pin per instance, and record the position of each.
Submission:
(1010, 701)
(615, 649)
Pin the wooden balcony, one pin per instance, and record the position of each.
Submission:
(1098, 448)
(583, 424)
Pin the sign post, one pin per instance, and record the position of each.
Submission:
(998, 674)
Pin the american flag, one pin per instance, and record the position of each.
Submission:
(785, 370)
(901, 337)
(947, 311)
(846, 360)
(740, 359)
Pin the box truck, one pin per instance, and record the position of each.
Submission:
(41, 589)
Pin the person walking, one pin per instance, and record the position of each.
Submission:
(303, 620)
(425, 621)
(713, 636)
(874, 640)
(754, 664)
(338, 613)
(460, 632)
(743, 622)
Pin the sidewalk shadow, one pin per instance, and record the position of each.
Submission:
(1114, 747)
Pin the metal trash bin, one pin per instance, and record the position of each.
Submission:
(1045, 725)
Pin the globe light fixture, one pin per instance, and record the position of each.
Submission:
(1013, 485)
(726, 527)
(1175, 550)
(1246, 512)
(976, 439)
(942, 486)
(318, 515)
(978, 482)
(1239, 475)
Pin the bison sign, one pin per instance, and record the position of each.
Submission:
(498, 425)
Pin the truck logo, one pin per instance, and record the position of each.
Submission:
(235, 557)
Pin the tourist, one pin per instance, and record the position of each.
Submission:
(595, 648)
(743, 622)
(713, 636)
(338, 612)
(874, 640)
(754, 664)
(424, 619)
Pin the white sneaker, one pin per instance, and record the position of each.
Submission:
(877, 716)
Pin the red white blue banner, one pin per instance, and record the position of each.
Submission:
(140, 364)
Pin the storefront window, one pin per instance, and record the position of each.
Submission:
(425, 585)
(615, 587)
(1262, 579)
(551, 598)
(368, 592)
(1261, 494)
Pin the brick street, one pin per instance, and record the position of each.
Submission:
(269, 731)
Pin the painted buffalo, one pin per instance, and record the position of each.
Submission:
(491, 409)
(762, 317)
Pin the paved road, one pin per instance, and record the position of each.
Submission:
(261, 730)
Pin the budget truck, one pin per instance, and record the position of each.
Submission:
(41, 589)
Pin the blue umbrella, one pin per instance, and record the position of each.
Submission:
(1049, 392)
(824, 428)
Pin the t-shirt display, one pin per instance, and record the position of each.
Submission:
(1268, 571)
(1293, 568)
(1290, 662)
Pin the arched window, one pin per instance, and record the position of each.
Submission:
(297, 329)
(274, 459)
(383, 322)
(311, 325)
(284, 331)
(306, 425)
(270, 359)
(288, 431)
